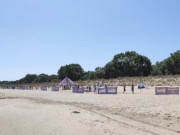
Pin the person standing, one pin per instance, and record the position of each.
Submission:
(132, 88)
(106, 88)
(124, 88)
(89, 88)
(94, 88)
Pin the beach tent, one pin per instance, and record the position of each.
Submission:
(141, 86)
(66, 83)
(99, 85)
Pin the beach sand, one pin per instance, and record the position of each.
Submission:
(35, 112)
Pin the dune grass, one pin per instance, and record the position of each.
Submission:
(171, 80)
(148, 81)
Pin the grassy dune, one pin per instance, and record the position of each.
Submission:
(148, 81)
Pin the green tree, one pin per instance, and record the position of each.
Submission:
(85, 76)
(111, 71)
(42, 78)
(73, 71)
(173, 63)
(170, 65)
(142, 66)
(131, 64)
(29, 78)
(89, 75)
(156, 69)
(100, 72)
(53, 78)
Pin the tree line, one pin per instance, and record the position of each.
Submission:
(32, 78)
(127, 64)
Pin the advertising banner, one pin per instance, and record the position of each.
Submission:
(102, 91)
(166, 90)
(173, 90)
(107, 90)
(161, 90)
(78, 90)
(111, 90)
(43, 88)
(55, 89)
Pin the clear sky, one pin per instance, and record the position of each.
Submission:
(40, 36)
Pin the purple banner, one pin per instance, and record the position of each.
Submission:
(166, 90)
(173, 90)
(55, 89)
(43, 88)
(86, 89)
(78, 90)
(111, 90)
(22, 88)
(161, 90)
(107, 90)
(102, 91)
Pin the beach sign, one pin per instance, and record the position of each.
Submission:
(166, 90)
(43, 88)
(111, 90)
(173, 90)
(107, 90)
(55, 89)
(161, 90)
(22, 87)
(102, 91)
(78, 90)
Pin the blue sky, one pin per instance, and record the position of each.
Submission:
(40, 36)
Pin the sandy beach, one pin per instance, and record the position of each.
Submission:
(35, 112)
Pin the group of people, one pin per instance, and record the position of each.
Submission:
(132, 88)
(95, 88)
